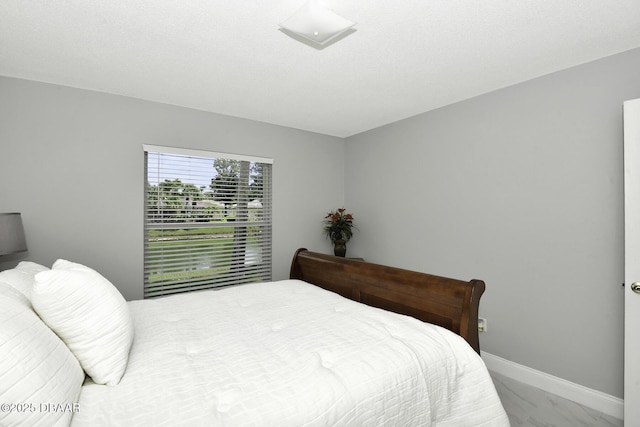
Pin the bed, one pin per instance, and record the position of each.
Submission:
(341, 343)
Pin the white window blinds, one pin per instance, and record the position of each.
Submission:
(207, 220)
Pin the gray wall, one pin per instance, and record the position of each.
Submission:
(522, 188)
(71, 162)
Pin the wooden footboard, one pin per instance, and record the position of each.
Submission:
(450, 303)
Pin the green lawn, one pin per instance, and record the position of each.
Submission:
(193, 256)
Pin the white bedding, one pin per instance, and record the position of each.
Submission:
(289, 354)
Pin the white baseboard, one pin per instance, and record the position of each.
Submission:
(590, 398)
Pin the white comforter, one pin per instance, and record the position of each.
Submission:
(290, 354)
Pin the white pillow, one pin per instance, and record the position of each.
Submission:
(31, 267)
(90, 316)
(36, 368)
(22, 277)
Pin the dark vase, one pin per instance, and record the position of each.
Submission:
(340, 247)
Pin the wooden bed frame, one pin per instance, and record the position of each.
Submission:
(450, 303)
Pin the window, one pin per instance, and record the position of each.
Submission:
(207, 220)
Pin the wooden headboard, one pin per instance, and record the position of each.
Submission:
(450, 303)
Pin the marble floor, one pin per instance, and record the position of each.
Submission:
(528, 406)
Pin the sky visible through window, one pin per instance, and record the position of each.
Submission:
(189, 170)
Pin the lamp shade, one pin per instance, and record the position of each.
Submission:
(12, 238)
(317, 23)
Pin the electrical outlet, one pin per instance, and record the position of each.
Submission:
(482, 324)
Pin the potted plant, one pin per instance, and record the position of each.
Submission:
(338, 226)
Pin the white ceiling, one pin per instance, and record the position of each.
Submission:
(229, 57)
